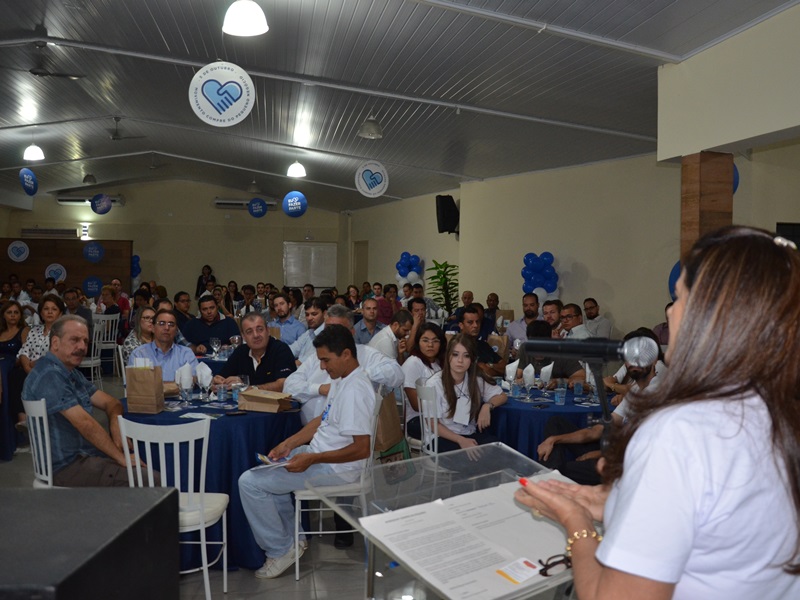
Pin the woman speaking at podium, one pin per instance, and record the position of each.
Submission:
(701, 494)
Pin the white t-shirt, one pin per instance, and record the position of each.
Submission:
(348, 412)
(385, 341)
(661, 368)
(413, 369)
(703, 503)
(461, 423)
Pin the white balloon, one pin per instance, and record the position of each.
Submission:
(397, 276)
(541, 293)
(553, 295)
(413, 277)
(402, 281)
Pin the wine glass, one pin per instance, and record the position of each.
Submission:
(235, 341)
(245, 381)
(216, 344)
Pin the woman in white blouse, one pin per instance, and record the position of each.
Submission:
(426, 359)
(38, 343)
(142, 333)
(465, 399)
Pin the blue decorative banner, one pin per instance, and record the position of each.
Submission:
(94, 252)
(295, 204)
(257, 208)
(18, 251)
(92, 286)
(101, 204)
(29, 182)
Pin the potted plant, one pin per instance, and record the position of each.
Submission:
(443, 285)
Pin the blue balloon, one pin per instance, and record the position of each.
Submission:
(528, 287)
(414, 260)
(398, 266)
(405, 256)
(529, 258)
(550, 286)
(527, 273)
(537, 265)
(674, 274)
(548, 271)
(403, 271)
(547, 257)
(417, 269)
(538, 281)
(735, 180)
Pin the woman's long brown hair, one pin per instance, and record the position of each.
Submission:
(470, 377)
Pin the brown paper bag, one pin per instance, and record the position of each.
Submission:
(145, 390)
(390, 432)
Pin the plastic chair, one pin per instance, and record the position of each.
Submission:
(198, 509)
(39, 433)
(429, 419)
(345, 490)
(121, 357)
(414, 444)
(92, 362)
(109, 328)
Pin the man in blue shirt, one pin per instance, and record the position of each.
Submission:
(369, 325)
(291, 328)
(163, 351)
(83, 452)
(210, 324)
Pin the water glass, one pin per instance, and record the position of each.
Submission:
(222, 392)
(215, 344)
(578, 389)
(561, 396)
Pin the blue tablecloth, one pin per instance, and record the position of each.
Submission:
(232, 446)
(521, 425)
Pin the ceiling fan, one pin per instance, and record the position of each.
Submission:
(41, 71)
(116, 136)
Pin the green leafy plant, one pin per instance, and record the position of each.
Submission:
(443, 285)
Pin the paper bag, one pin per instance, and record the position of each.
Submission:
(390, 432)
(257, 400)
(499, 344)
(145, 390)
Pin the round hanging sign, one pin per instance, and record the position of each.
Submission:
(92, 286)
(221, 94)
(372, 179)
(94, 252)
(295, 204)
(57, 271)
(257, 208)
(18, 251)
(29, 182)
(101, 203)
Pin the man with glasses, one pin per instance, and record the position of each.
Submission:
(210, 324)
(163, 351)
(572, 323)
(597, 324)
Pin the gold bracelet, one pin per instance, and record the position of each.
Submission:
(583, 533)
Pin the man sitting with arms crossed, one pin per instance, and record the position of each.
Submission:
(267, 362)
(597, 324)
(210, 324)
(291, 328)
(331, 448)
(163, 351)
(84, 454)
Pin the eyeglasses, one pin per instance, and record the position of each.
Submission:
(167, 324)
(149, 319)
(555, 565)
(567, 317)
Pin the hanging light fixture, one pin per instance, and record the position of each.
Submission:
(296, 170)
(245, 19)
(89, 179)
(33, 152)
(253, 187)
(370, 129)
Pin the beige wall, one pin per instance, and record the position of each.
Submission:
(5, 217)
(175, 230)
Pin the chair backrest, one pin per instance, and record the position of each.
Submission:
(429, 417)
(36, 413)
(97, 342)
(163, 445)
(122, 365)
(109, 327)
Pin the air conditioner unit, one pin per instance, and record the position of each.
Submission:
(62, 234)
(85, 200)
(238, 204)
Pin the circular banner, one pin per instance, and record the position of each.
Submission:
(57, 271)
(372, 179)
(101, 203)
(29, 182)
(221, 94)
(94, 252)
(92, 286)
(295, 204)
(257, 208)
(18, 251)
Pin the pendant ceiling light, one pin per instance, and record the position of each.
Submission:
(296, 170)
(33, 152)
(370, 129)
(90, 179)
(245, 19)
(253, 187)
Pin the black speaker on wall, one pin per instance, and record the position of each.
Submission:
(446, 214)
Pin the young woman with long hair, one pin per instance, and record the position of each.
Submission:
(13, 333)
(701, 494)
(426, 358)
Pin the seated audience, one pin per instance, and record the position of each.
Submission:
(597, 324)
(182, 306)
(203, 280)
(425, 359)
(353, 298)
(490, 312)
(223, 300)
(163, 351)
(572, 323)
(487, 360)
(391, 340)
(291, 328)
(621, 382)
(406, 294)
(267, 362)
(13, 334)
(248, 302)
(419, 292)
(517, 330)
(661, 330)
(72, 302)
(210, 324)
(298, 305)
(418, 310)
(38, 342)
(368, 326)
(388, 304)
(551, 314)
(142, 332)
(303, 347)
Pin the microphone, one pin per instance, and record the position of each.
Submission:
(639, 351)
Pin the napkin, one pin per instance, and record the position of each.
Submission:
(204, 375)
(529, 375)
(546, 372)
(511, 370)
(183, 376)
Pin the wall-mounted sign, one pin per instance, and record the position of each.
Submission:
(28, 181)
(101, 203)
(57, 271)
(94, 252)
(221, 94)
(18, 251)
(295, 204)
(372, 179)
(257, 208)
(92, 286)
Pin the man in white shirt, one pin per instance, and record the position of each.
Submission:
(303, 346)
(392, 340)
(597, 324)
(572, 323)
(332, 448)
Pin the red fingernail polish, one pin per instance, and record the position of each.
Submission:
(523, 481)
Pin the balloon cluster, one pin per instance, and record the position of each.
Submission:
(539, 276)
(136, 268)
(409, 269)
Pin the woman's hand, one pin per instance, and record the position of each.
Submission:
(484, 416)
(564, 502)
(465, 442)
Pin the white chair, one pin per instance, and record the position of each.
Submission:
(92, 362)
(39, 433)
(429, 419)
(121, 357)
(198, 509)
(344, 491)
(414, 444)
(109, 328)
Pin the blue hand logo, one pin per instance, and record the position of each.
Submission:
(221, 96)
(18, 251)
(372, 180)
